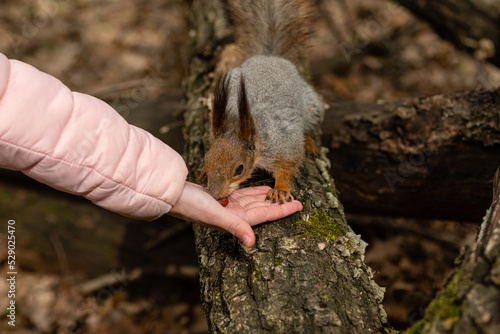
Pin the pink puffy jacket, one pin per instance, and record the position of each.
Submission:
(79, 144)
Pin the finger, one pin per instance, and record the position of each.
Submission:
(250, 196)
(241, 230)
(251, 191)
(226, 221)
(270, 212)
(249, 203)
(196, 205)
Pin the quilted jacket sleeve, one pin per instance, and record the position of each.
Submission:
(79, 144)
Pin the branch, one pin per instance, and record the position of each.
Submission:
(429, 157)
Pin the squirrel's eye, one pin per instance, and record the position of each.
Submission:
(238, 170)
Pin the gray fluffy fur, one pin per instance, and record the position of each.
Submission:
(284, 106)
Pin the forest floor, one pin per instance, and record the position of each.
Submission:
(129, 52)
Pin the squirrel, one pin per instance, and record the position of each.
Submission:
(263, 109)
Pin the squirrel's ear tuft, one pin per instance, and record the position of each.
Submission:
(248, 132)
(221, 95)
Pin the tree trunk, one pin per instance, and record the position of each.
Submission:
(429, 157)
(470, 301)
(306, 273)
(471, 25)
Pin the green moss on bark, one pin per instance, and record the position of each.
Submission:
(446, 309)
(321, 225)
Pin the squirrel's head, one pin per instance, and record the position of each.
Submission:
(234, 151)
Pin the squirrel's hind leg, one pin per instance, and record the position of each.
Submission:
(283, 173)
(310, 145)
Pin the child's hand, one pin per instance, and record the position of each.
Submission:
(246, 207)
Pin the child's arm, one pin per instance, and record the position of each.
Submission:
(79, 144)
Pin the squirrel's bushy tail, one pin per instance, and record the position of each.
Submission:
(273, 27)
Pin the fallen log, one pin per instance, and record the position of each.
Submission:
(428, 157)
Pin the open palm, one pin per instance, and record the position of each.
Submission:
(250, 205)
(246, 207)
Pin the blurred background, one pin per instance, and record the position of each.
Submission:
(82, 269)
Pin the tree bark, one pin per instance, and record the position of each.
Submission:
(470, 301)
(471, 25)
(306, 273)
(429, 157)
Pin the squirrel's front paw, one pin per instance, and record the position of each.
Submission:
(279, 196)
